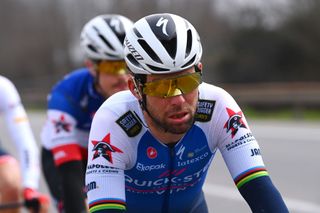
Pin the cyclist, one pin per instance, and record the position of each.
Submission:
(19, 180)
(72, 104)
(150, 147)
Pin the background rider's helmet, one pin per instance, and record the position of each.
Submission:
(160, 44)
(102, 37)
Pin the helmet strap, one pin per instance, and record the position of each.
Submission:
(139, 80)
(97, 85)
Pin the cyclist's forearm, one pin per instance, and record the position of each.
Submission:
(262, 196)
(72, 179)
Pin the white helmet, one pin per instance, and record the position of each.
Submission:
(162, 43)
(102, 37)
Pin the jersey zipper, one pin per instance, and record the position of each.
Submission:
(166, 202)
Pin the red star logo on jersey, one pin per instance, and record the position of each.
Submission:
(234, 122)
(61, 124)
(104, 148)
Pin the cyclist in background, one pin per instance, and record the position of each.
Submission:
(72, 104)
(150, 148)
(19, 180)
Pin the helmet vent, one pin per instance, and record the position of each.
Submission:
(189, 62)
(110, 55)
(157, 69)
(137, 32)
(106, 41)
(92, 48)
(171, 46)
(120, 32)
(149, 51)
(189, 43)
(121, 37)
(133, 60)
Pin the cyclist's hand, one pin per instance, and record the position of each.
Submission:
(35, 201)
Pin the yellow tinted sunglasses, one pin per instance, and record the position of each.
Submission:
(112, 67)
(173, 86)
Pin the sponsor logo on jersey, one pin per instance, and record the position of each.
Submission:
(130, 123)
(101, 169)
(90, 186)
(234, 122)
(173, 183)
(255, 152)
(99, 166)
(193, 160)
(196, 151)
(180, 152)
(204, 110)
(190, 154)
(248, 137)
(147, 168)
(59, 155)
(61, 124)
(152, 152)
(104, 148)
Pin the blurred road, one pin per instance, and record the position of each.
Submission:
(290, 152)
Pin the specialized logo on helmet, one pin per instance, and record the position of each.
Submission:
(163, 22)
(234, 122)
(116, 24)
(104, 148)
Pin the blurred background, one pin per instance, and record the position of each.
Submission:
(265, 53)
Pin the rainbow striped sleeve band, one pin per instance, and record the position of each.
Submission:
(249, 175)
(101, 204)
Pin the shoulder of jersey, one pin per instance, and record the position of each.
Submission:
(121, 100)
(74, 79)
(7, 89)
(208, 97)
(5, 82)
(125, 105)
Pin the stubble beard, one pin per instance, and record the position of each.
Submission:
(167, 127)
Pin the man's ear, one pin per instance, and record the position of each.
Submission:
(198, 67)
(133, 87)
(91, 67)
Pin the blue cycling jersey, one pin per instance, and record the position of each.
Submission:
(75, 95)
(72, 104)
(129, 169)
(174, 177)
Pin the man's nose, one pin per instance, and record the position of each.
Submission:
(178, 99)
